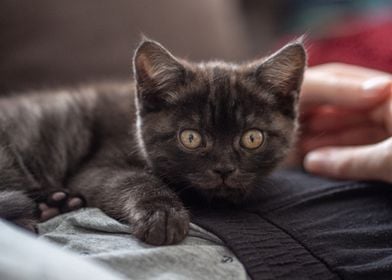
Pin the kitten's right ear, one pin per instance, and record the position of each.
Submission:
(155, 68)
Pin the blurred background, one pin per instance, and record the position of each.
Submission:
(46, 43)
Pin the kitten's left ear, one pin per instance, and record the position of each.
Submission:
(283, 70)
(158, 75)
(154, 66)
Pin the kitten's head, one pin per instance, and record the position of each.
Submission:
(216, 127)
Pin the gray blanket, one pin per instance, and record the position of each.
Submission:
(97, 237)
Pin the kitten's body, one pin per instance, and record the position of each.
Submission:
(48, 137)
(119, 147)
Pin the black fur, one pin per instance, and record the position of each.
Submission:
(120, 149)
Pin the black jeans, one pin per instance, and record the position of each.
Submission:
(297, 226)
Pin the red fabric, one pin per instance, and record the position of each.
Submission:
(368, 45)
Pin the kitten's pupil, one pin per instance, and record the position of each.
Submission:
(252, 138)
(190, 138)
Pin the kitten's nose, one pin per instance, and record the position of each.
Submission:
(224, 171)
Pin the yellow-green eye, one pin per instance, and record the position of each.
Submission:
(191, 139)
(252, 139)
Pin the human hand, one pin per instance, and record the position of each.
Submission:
(346, 117)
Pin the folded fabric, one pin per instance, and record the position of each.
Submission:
(23, 257)
(96, 236)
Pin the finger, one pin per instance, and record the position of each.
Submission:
(383, 114)
(321, 88)
(370, 162)
(349, 70)
(361, 135)
(335, 120)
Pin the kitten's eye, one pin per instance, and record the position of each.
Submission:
(252, 139)
(191, 139)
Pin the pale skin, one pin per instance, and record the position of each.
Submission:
(346, 127)
(346, 123)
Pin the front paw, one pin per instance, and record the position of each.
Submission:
(158, 224)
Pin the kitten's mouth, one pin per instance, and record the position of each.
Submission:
(230, 193)
(225, 185)
(232, 190)
(220, 186)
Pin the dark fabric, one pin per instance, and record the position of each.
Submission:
(302, 227)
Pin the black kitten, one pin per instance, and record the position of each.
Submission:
(215, 127)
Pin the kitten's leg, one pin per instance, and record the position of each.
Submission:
(155, 213)
(18, 208)
(43, 138)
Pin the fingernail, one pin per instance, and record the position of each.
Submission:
(373, 86)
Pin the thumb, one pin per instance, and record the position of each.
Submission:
(370, 162)
(321, 88)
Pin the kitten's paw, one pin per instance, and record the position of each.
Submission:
(160, 225)
(59, 202)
